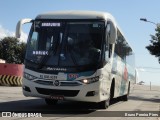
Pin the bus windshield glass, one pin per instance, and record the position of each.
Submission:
(65, 44)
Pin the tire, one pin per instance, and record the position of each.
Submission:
(112, 91)
(104, 104)
(51, 101)
(125, 97)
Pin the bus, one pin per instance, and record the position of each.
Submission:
(77, 56)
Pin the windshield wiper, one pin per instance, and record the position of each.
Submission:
(74, 59)
(44, 59)
(50, 53)
(64, 44)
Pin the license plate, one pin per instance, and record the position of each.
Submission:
(57, 97)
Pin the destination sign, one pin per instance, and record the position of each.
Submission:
(51, 24)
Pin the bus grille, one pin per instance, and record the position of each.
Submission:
(65, 93)
(62, 83)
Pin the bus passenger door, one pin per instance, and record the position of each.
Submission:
(111, 36)
(108, 66)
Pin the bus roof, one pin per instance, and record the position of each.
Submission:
(75, 15)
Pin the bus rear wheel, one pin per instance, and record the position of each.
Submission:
(50, 101)
(125, 97)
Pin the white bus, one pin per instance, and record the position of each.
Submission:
(77, 56)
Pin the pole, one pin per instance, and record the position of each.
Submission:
(145, 20)
(150, 85)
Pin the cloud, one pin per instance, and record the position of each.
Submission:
(24, 37)
(6, 33)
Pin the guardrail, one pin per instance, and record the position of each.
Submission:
(11, 74)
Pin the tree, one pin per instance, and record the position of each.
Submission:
(154, 46)
(12, 50)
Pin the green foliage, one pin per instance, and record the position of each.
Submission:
(154, 46)
(12, 50)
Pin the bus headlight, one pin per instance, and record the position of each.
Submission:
(28, 76)
(90, 80)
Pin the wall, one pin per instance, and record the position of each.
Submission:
(11, 74)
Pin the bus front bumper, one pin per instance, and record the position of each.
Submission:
(86, 93)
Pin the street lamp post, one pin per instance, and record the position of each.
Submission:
(145, 20)
(157, 24)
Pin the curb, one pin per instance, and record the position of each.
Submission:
(10, 80)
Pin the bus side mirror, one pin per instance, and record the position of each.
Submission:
(113, 33)
(19, 26)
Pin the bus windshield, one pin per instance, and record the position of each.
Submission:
(65, 44)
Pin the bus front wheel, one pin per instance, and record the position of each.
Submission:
(104, 104)
(50, 101)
